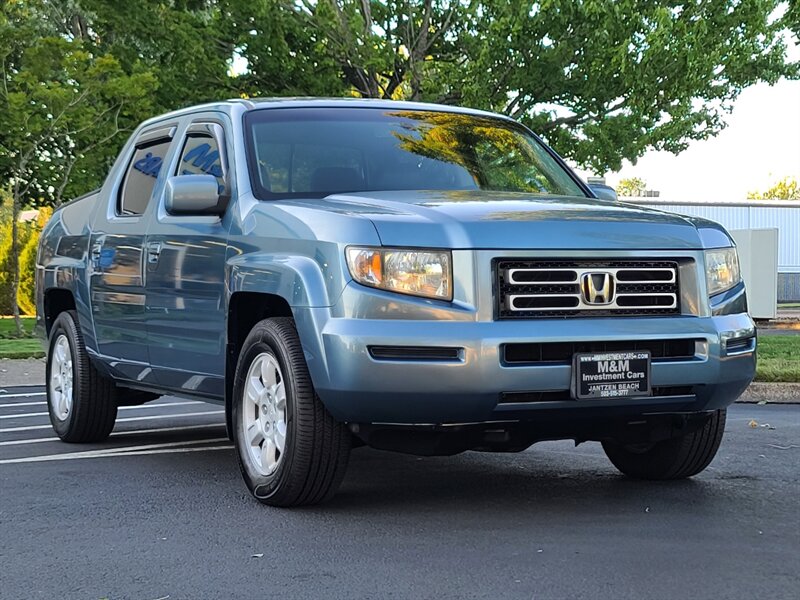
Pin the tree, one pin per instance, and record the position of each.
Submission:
(388, 48)
(186, 45)
(58, 104)
(6, 257)
(786, 189)
(26, 294)
(631, 187)
(601, 80)
(189, 46)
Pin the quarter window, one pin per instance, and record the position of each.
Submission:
(137, 188)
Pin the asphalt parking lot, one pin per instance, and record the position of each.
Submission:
(159, 512)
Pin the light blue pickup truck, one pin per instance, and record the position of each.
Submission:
(418, 278)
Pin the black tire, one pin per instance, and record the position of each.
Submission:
(316, 447)
(94, 406)
(676, 458)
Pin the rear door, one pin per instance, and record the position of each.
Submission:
(186, 269)
(118, 295)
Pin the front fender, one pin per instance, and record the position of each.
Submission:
(297, 279)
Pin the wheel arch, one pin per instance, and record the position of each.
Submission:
(55, 302)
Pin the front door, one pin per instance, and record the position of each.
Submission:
(118, 297)
(185, 274)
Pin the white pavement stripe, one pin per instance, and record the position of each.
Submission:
(147, 418)
(117, 452)
(147, 405)
(114, 435)
(141, 406)
(26, 395)
(13, 404)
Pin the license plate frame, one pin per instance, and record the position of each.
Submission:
(610, 375)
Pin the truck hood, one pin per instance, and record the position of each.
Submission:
(494, 220)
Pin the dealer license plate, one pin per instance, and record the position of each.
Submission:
(611, 374)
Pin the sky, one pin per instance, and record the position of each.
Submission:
(760, 146)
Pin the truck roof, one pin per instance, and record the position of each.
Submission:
(246, 104)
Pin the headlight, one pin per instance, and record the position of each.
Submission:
(425, 273)
(722, 270)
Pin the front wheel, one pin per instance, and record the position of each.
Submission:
(676, 458)
(291, 450)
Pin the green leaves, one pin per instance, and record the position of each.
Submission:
(601, 80)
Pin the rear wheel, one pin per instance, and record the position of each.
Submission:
(291, 450)
(81, 402)
(676, 458)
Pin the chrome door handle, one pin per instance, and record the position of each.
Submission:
(95, 254)
(153, 252)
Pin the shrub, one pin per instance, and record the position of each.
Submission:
(5, 263)
(26, 294)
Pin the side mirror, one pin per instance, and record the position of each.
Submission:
(194, 195)
(603, 191)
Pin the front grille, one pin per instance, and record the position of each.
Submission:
(555, 353)
(566, 396)
(532, 288)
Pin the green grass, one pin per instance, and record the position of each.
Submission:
(8, 329)
(13, 347)
(778, 358)
(21, 348)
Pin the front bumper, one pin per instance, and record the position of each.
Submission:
(358, 388)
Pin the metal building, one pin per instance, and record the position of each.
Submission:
(783, 215)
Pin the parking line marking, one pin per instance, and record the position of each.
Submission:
(146, 405)
(26, 395)
(127, 419)
(113, 435)
(44, 414)
(116, 452)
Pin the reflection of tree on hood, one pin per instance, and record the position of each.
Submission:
(495, 155)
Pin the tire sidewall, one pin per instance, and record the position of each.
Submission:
(262, 340)
(65, 326)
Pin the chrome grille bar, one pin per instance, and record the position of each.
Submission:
(531, 288)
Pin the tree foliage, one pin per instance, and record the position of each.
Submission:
(7, 292)
(631, 187)
(61, 106)
(786, 189)
(601, 80)
(26, 294)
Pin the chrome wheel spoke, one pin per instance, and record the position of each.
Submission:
(254, 434)
(269, 455)
(269, 372)
(280, 398)
(280, 435)
(254, 389)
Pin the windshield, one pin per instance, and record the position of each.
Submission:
(314, 152)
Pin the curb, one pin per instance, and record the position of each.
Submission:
(771, 393)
